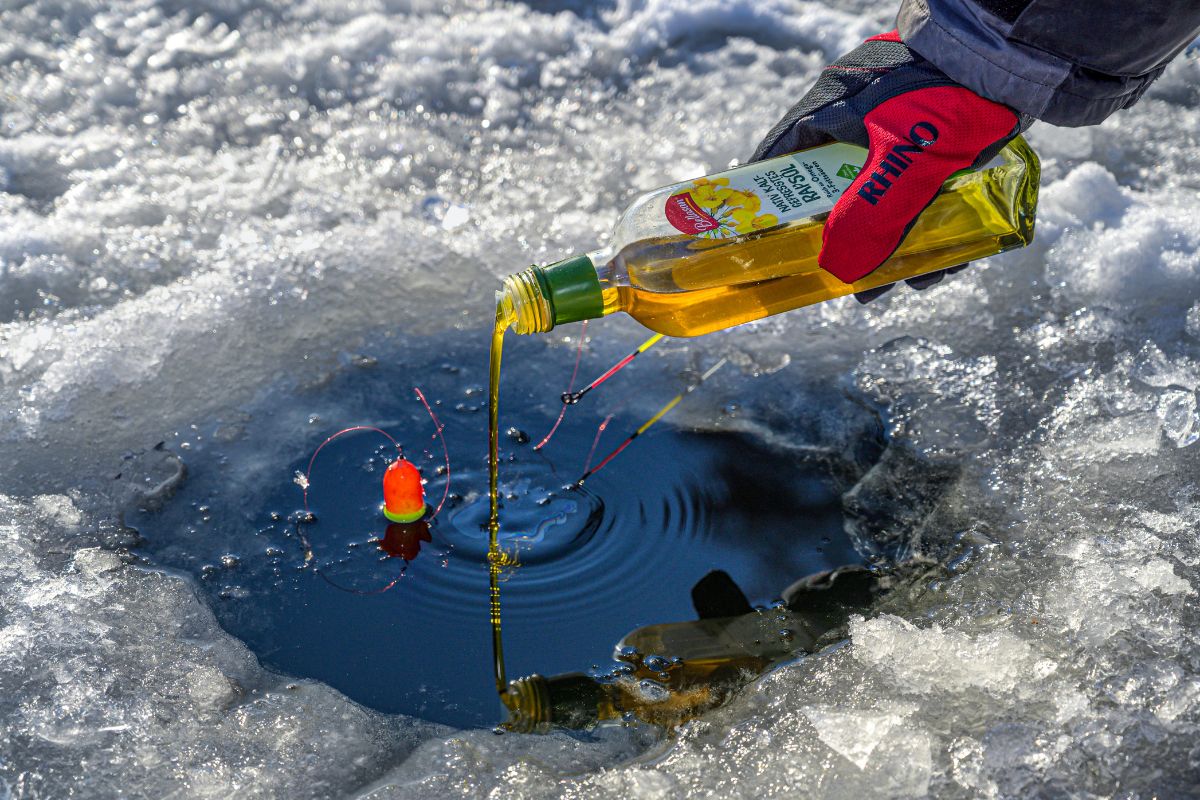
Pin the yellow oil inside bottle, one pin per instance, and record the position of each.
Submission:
(981, 208)
(684, 286)
(777, 271)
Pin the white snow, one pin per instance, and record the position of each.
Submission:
(198, 201)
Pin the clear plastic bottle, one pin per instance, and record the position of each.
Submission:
(704, 255)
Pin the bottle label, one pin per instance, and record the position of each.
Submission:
(767, 194)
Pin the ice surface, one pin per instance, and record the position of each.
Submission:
(118, 681)
(202, 200)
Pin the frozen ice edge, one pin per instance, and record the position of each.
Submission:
(125, 670)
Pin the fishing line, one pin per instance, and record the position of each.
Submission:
(595, 442)
(662, 412)
(438, 427)
(570, 385)
(571, 398)
(305, 484)
(308, 472)
(310, 559)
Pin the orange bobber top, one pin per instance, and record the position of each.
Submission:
(403, 494)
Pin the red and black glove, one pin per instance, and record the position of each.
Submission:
(919, 127)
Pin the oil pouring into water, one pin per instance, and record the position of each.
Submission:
(517, 305)
(496, 559)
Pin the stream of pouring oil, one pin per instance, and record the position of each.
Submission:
(495, 557)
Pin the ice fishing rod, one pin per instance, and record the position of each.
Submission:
(662, 412)
(570, 398)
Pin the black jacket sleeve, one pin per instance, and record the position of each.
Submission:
(1067, 62)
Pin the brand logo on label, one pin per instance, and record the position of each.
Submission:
(848, 171)
(898, 159)
(687, 217)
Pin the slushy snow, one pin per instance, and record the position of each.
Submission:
(201, 200)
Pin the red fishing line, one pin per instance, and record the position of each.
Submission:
(308, 472)
(438, 427)
(662, 412)
(596, 441)
(570, 385)
(404, 497)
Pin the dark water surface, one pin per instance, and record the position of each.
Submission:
(595, 563)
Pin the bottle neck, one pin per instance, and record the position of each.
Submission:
(524, 304)
(541, 297)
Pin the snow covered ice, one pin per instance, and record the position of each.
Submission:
(200, 203)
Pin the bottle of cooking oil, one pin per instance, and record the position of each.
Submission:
(703, 255)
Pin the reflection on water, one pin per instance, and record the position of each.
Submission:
(594, 563)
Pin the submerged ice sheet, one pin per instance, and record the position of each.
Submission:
(202, 202)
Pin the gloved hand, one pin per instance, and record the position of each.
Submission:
(919, 126)
(920, 283)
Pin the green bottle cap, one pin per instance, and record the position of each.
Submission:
(572, 289)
